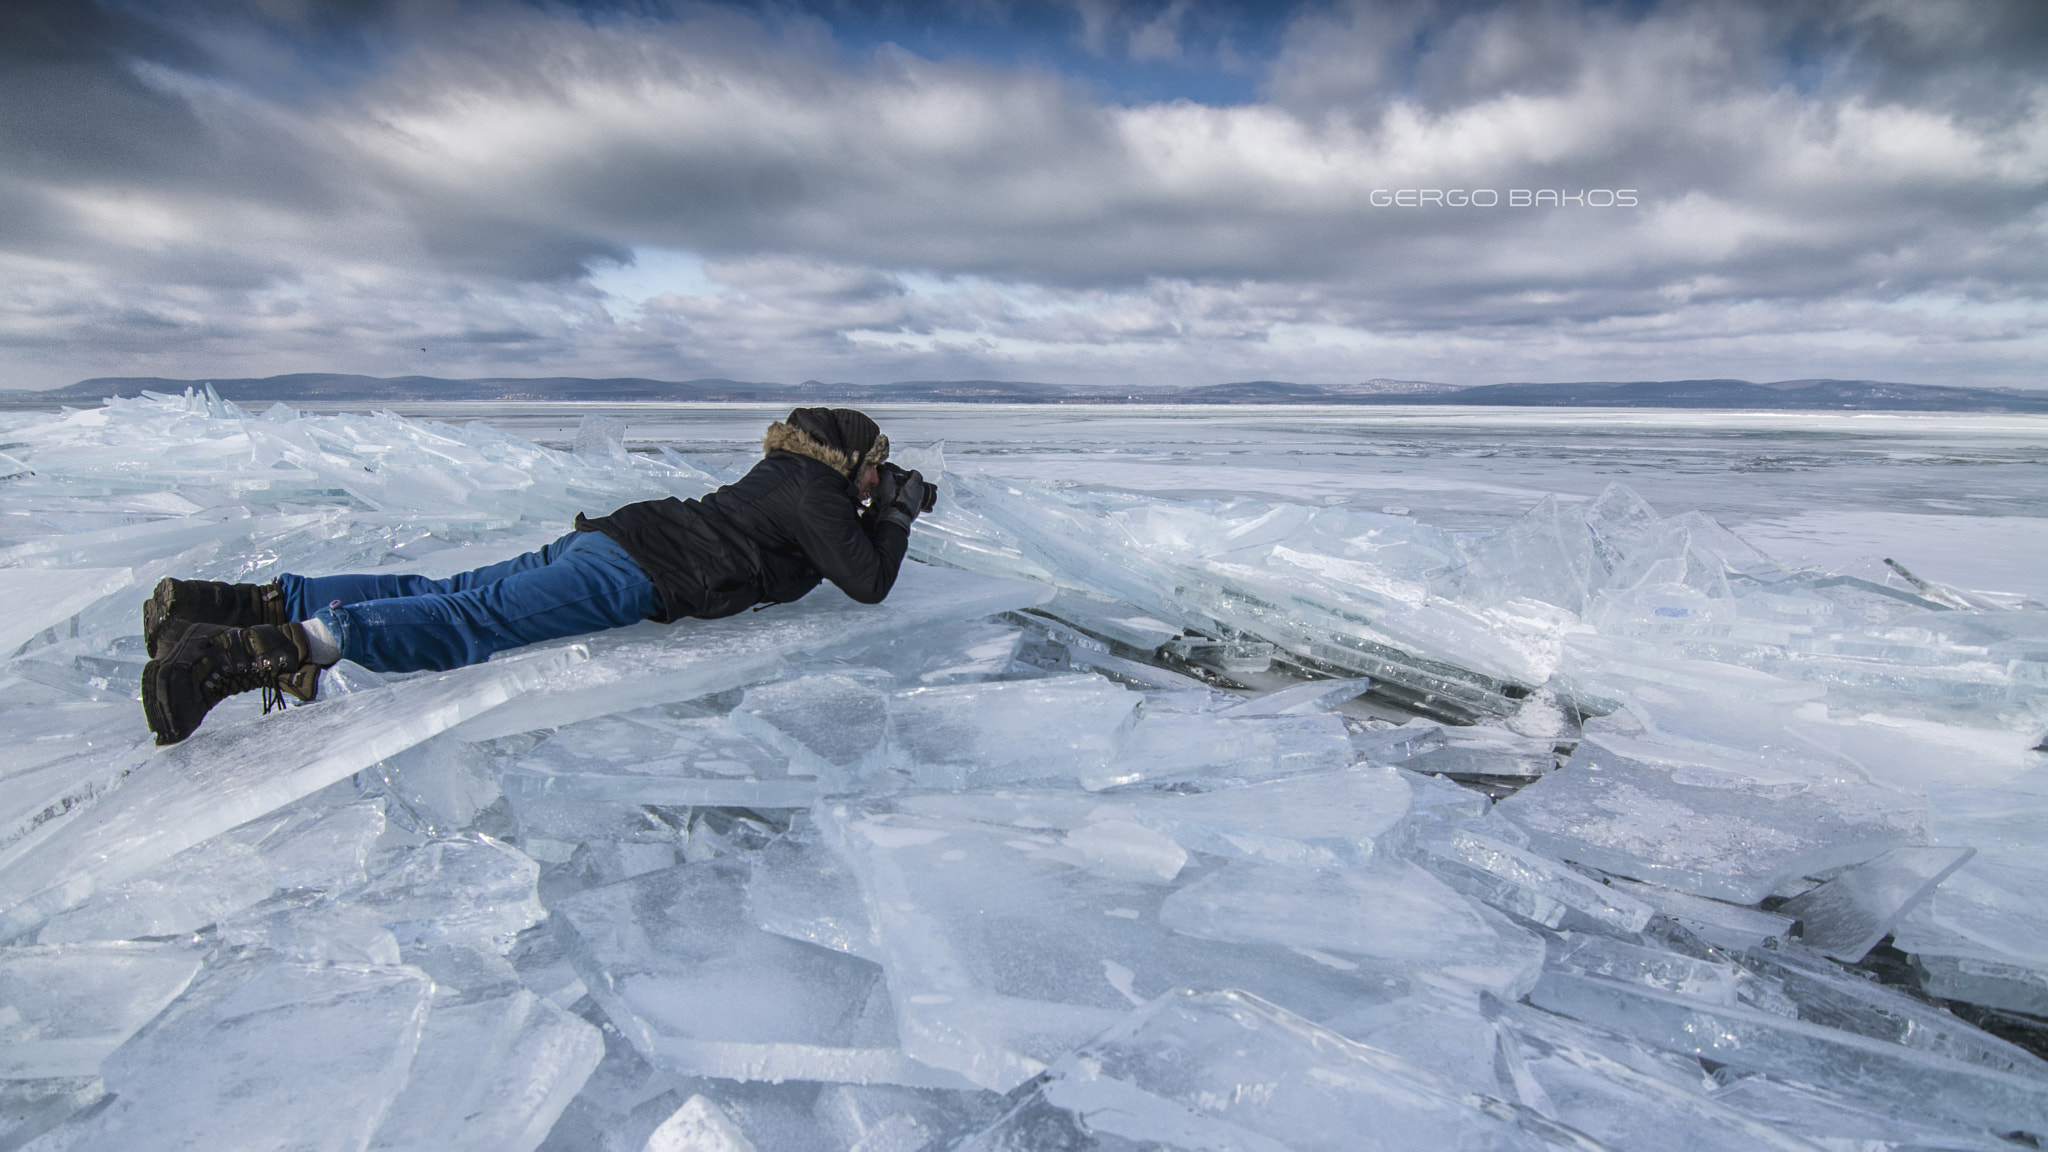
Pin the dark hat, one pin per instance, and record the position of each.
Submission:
(846, 429)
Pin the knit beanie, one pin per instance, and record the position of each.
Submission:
(846, 430)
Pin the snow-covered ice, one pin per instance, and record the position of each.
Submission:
(1262, 779)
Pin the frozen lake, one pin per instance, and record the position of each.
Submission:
(1958, 498)
(1251, 778)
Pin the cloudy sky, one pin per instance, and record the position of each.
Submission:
(1078, 191)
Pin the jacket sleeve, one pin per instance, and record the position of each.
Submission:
(829, 531)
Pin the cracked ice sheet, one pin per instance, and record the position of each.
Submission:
(38, 598)
(1229, 1070)
(1005, 947)
(222, 777)
(262, 1053)
(1709, 833)
(658, 664)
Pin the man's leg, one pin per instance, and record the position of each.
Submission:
(305, 595)
(586, 583)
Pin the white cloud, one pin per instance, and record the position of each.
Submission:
(520, 191)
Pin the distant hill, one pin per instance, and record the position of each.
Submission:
(1796, 395)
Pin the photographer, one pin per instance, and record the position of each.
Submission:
(795, 519)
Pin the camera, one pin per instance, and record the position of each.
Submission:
(898, 474)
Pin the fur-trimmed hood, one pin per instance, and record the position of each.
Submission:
(784, 437)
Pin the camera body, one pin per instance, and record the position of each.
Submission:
(898, 474)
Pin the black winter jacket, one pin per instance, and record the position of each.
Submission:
(767, 539)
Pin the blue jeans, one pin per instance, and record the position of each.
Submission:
(397, 623)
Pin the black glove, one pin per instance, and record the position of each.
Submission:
(886, 488)
(916, 493)
(911, 497)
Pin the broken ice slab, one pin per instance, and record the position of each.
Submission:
(467, 888)
(38, 598)
(1891, 1077)
(1006, 946)
(2012, 987)
(1226, 1069)
(1833, 1122)
(976, 735)
(261, 1053)
(962, 653)
(801, 889)
(645, 757)
(1300, 699)
(831, 726)
(1397, 744)
(313, 929)
(1521, 882)
(29, 1108)
(1622, 1094)
(300, 849)
(1836, 998)
(680, 967)
(1172, 746)
(884, 1118)
(1110, 620)
(1718, 837)
(1708, 980)
(67, 1007)
(440, 784)
(1846, 917)
(1226, 656)
(490, 1076)
(1731, 927)
(657, 664)
(221, 777)
(1389, 910)
(1315, 820)
(700, 1125)
(1484, 750)
(1990, 908)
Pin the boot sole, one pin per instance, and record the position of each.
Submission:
(152, 709)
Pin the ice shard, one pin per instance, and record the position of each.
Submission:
(1846, 917)
(2013, 987)
(223, 777)
(1890, 1077)
(978, 735)
(1314, 820)
(682, 969)
(647, 757)
(1390, 910)
(1830, 1121)
(467, 888)
(1170, 746)
(1989, 908)
(38, 598)
(491, 1075)
(1578, 1078)
(261, 1053)
(952, 900)
(69, 1006)
(1228, 1070)
(1709, 835)
(1521, 882)
(1829, 996)
(832, 726)
(1724, 925)
(1306, 697)
(658, 664)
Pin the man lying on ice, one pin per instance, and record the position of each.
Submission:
(793, 520)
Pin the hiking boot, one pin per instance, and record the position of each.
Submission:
(210, 663)
(178, 603)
